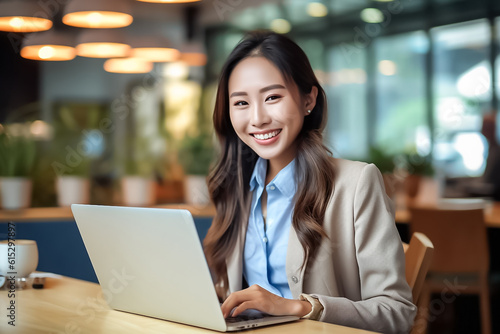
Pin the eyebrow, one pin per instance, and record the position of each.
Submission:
(262, 90)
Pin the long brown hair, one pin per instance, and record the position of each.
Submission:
(228, 181)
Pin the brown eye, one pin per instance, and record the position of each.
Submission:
(273, 97)
(240, 103)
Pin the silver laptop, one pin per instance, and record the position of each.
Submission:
(150, 261)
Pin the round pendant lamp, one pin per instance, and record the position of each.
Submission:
(193, 54)
(128, 65)
(154, 49)
(102, 43)
(23, 16)
(97, 14)
(49, 46)
(169, 1)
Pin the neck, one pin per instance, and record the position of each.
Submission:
(273, 168)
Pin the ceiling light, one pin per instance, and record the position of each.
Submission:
(97, 14)
(317, 9)
(155, 49)
(176, 71)
(193, 54)
(102, 43)
(372, 15)
(281, 26)
(128, 65)
(23, 16)
(50, 45)
(169, 1)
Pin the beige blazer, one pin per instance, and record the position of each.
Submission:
(358, 274)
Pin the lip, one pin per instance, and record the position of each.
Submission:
(267, 141)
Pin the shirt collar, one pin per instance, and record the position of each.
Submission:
(259, 174)
(284, 181)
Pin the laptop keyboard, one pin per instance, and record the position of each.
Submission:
(246, 315)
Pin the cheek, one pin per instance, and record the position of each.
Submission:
(236, 120)
(292, 117)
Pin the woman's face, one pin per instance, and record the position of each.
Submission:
(267, 112)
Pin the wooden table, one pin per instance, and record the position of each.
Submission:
(68, 305)
(64, 214)
(428, 197)
(491, 214)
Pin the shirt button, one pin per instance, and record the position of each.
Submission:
(272, 187)
(295, 279)
(264, 239)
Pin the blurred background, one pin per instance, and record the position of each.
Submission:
(110, 101)
(404, 79)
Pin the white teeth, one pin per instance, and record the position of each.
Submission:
(267, 135)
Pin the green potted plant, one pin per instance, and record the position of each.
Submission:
(385, 163)
(195, 155)
(414, 166)
(72, 183)
(138, 185)
(17, 158)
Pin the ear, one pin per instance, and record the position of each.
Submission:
(310, 99)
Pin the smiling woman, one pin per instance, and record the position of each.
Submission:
(297, 232)
(263, 115)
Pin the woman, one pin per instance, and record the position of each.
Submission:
(297, 232)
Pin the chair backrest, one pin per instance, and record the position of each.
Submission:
(459, 237)
(418, 256)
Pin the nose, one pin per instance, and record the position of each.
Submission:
(259, 116)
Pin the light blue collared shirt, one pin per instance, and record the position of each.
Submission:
(264, 256)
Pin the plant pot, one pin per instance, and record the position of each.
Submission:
(196, 190)
(138, 191)
(72, 190)
(412, 185)
(16, 192)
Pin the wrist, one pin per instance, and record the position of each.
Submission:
(300, 308)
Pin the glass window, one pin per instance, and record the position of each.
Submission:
(401, 123)
(462, 93)
(497, 65)
(345, 86)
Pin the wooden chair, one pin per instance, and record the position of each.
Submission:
(461, 264)
(418, 255)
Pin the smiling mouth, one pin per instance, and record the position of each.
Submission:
(266, 135)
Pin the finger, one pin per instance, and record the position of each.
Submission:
(251, 304)
(234, 299)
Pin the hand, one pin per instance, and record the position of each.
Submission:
(258, 298)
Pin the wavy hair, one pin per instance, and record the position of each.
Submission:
(228, 181)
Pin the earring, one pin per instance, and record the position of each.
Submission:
(309, 111)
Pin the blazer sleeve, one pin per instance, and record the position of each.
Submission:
(386, 301)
